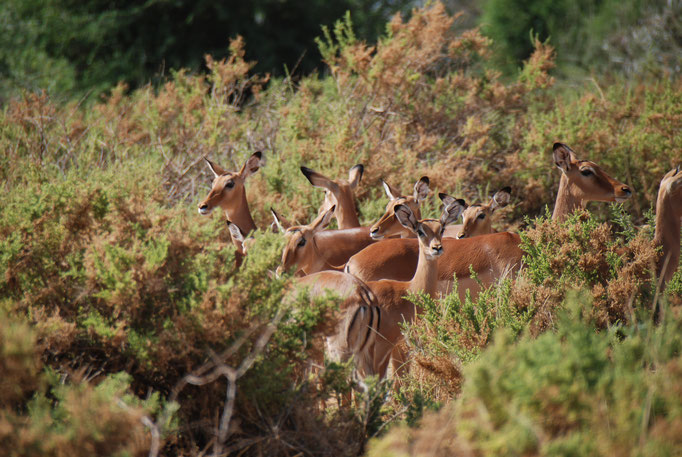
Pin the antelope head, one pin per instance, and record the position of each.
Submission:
(227, 190)
(477, 219)
(338, 193)
(388, 225)
(300, 248)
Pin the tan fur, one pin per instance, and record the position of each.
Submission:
(668, 221)
(339, 193)
(492, 255)
(387, 226)
(577, 189)
(390, 295)
(228, 193)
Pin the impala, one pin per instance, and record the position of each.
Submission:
(394, 307)
(354, 324)
(338, 193)
(489, 256)
(477, 219)
(228, 193)
(668, 221)
(311, 249)
(387, 225)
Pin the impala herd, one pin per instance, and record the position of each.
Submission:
(374, 268)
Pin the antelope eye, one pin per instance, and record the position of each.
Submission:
(229, 184)
(586, 172)
(481, 216)
(301, 242)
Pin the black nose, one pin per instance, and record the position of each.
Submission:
(627, 190)
(204, 206)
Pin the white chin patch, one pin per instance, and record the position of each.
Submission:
(204, 211)
(375, 236)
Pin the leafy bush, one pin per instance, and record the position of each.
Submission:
(105, 262)
(576, 391)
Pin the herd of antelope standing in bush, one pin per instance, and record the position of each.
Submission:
(373, 269)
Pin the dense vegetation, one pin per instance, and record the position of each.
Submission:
(125, 326)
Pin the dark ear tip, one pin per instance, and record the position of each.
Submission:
(442, 195)
(360, 167)
(506, 189)
(557, 145)
(258, 154)
(462, 202)
(306, 171)
(425, 179)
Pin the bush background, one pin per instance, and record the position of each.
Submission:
(113, 288)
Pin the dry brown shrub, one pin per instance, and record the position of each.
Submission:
(584, 255)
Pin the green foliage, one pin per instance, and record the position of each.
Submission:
(105, 267)
(576, 391)
(627, 38)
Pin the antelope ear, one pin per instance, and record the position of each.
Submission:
(355, 175)
(563, 157)
(279, 225)
(323, 219)
(449, 200)
(421, 189)
(391, 192)
(252, 164)
(452, 211)
(318, 179)
(236, 233)
(501, 198)
(406, 217)
(215, 168)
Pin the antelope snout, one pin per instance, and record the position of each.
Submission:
(461, 235)
(436, 250)
(374, 234)
(624, 194)
(279, 271)
(203, 209)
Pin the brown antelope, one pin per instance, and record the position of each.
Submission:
(338, 193)
(394, 307)
(228, 193)
(477, 219)
(583, 181)
(490, 256)
(387, 225)
(353, 327)
(311, 249)
(668, 221)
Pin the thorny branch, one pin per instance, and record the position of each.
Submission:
(210, 372)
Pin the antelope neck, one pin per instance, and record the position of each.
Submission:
(567, 199)
(241, 216)
(667, 236)
(426, 276)
(322, 260)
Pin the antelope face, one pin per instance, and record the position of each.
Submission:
(226, 188)
(388, 225)
(430, 234)
(477, 219)
(298, 250)
(588, 180)
(430, 231)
